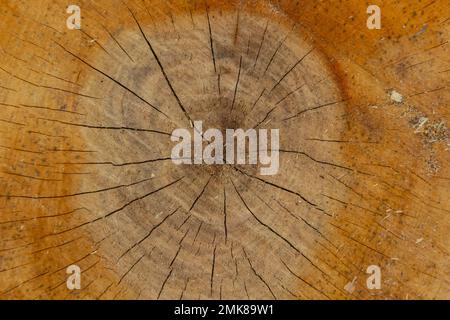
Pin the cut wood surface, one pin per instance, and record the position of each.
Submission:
(86, 176)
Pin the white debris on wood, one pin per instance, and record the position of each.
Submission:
(419, 240)
(396, 97)
(420, 123)
(421, 31)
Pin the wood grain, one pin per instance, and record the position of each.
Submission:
(86, 176)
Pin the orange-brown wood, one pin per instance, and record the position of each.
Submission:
(85, 171)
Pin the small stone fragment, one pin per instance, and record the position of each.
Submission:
(396, 97)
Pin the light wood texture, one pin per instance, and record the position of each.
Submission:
(85, 170)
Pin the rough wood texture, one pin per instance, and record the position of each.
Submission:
(85, 170)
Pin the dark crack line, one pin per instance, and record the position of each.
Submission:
(258, 275)
(290, 70)
(281, 188)
(56, 246)
(201, 193)
(307, 223)
(88, 126)
(352, 204)
(48, 87)
(312, 109)
(184, 222)
(44, 217)
(290, 93)
(261, 44)
(116, 164)
(149, 233)
(131, 268)
(164, 284)
(114, 211)
(257, 100)
(304, 281)
(225, 228)
(211, 42)
(237, 84)
(275, 232)
(180, 246)
(319, 161)
(198, 232)
(180, 104)
(24, 282)
(275, 53)
(265, 118)
(51, 109)
(104, 291)
(184, 289)
(118, 43)
(76, 194)
(115, 81)
(212, 269)
(92, 39)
